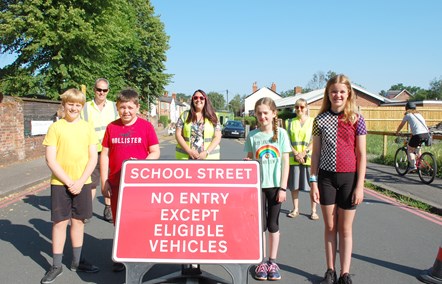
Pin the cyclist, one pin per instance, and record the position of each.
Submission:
(419, 131)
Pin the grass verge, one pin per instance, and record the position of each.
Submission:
(403, 199)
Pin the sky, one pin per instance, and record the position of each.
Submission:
(228, 45)
(225, 46)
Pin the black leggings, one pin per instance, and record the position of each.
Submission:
(270, 209)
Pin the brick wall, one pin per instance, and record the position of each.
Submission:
(16, 141)
(12, 143)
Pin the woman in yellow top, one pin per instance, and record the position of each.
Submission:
(300, 133)
(198, 131)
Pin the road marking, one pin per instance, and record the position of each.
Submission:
(20, 195)
(429, 216)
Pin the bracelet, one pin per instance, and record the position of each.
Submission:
(313, 179)
(208, 152)
(283, 189)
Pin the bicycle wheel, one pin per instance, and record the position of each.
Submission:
(401, 161)
(427, 168)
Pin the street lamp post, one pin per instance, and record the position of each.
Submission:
(148, 99)
(227, 92)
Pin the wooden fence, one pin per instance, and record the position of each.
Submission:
(385, 135)
(388, 118)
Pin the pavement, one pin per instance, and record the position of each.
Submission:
(21, 176)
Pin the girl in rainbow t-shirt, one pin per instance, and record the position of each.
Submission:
(270, 145)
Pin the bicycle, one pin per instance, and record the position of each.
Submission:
(425, 163)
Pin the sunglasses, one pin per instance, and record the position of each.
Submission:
(101, 90)
(299, 107)
(201, 98)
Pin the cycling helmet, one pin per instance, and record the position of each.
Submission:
(410, 105)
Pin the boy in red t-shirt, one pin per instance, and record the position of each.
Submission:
(129, 137)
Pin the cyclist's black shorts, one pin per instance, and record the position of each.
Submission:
(416, 140)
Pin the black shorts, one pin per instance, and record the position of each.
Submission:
(96, 174)
(336, 188)
(416, 140)
(65, 205)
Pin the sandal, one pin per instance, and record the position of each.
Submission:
(314, 216)
(293, 214)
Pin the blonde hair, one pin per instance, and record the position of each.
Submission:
(73, 96)
(271, 104)
(350, 113)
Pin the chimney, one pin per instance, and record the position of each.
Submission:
(166, 93)
(273, 87)
(174, 96)
(254, 87)
(298, 90)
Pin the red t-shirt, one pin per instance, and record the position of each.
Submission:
(127, 142)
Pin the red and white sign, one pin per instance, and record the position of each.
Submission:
(189, 212)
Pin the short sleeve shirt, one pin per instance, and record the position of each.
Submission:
(127, 142)
(72, 141)
(269, 154)
(338, 141)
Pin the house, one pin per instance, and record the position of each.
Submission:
(364, 98)
(399, 95)
(250, 100)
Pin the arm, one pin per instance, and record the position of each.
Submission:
(215, 142)
(90, 166)
(104, 172)
(285, 166)
(314, 168)
(400, 126)
(54, 166)
(361, 156)
(154, 152)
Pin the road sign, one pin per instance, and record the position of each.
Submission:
(189, 212)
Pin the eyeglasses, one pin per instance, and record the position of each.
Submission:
(299, 107)
(201, 98)
(101, 90)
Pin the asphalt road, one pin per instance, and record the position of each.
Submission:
(392, 243)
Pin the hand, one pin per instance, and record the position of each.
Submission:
(314, 192)
(76, 187)
(194, 154)
(358, 196)
(106, 190)
(281, 196)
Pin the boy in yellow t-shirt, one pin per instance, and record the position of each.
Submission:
(71, 155)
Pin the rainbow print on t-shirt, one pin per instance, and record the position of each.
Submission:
(267, 151)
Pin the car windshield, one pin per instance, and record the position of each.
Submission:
(234, 123)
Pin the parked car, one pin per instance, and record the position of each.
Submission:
(233, 128)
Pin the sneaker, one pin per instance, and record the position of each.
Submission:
(53, 273)
(329, 277)
(345, 279)
(107, 214)
(261, 271)
(84, 266)
(118, 267)
(273, 273)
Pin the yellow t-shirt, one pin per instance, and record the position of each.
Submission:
(72, 141)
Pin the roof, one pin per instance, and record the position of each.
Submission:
(316, 95)
(262, 89)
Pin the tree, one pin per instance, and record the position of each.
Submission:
(63, 44)
(183, 97)
(435, 91)
(319, 80)
(217, 100)
(236, 105)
